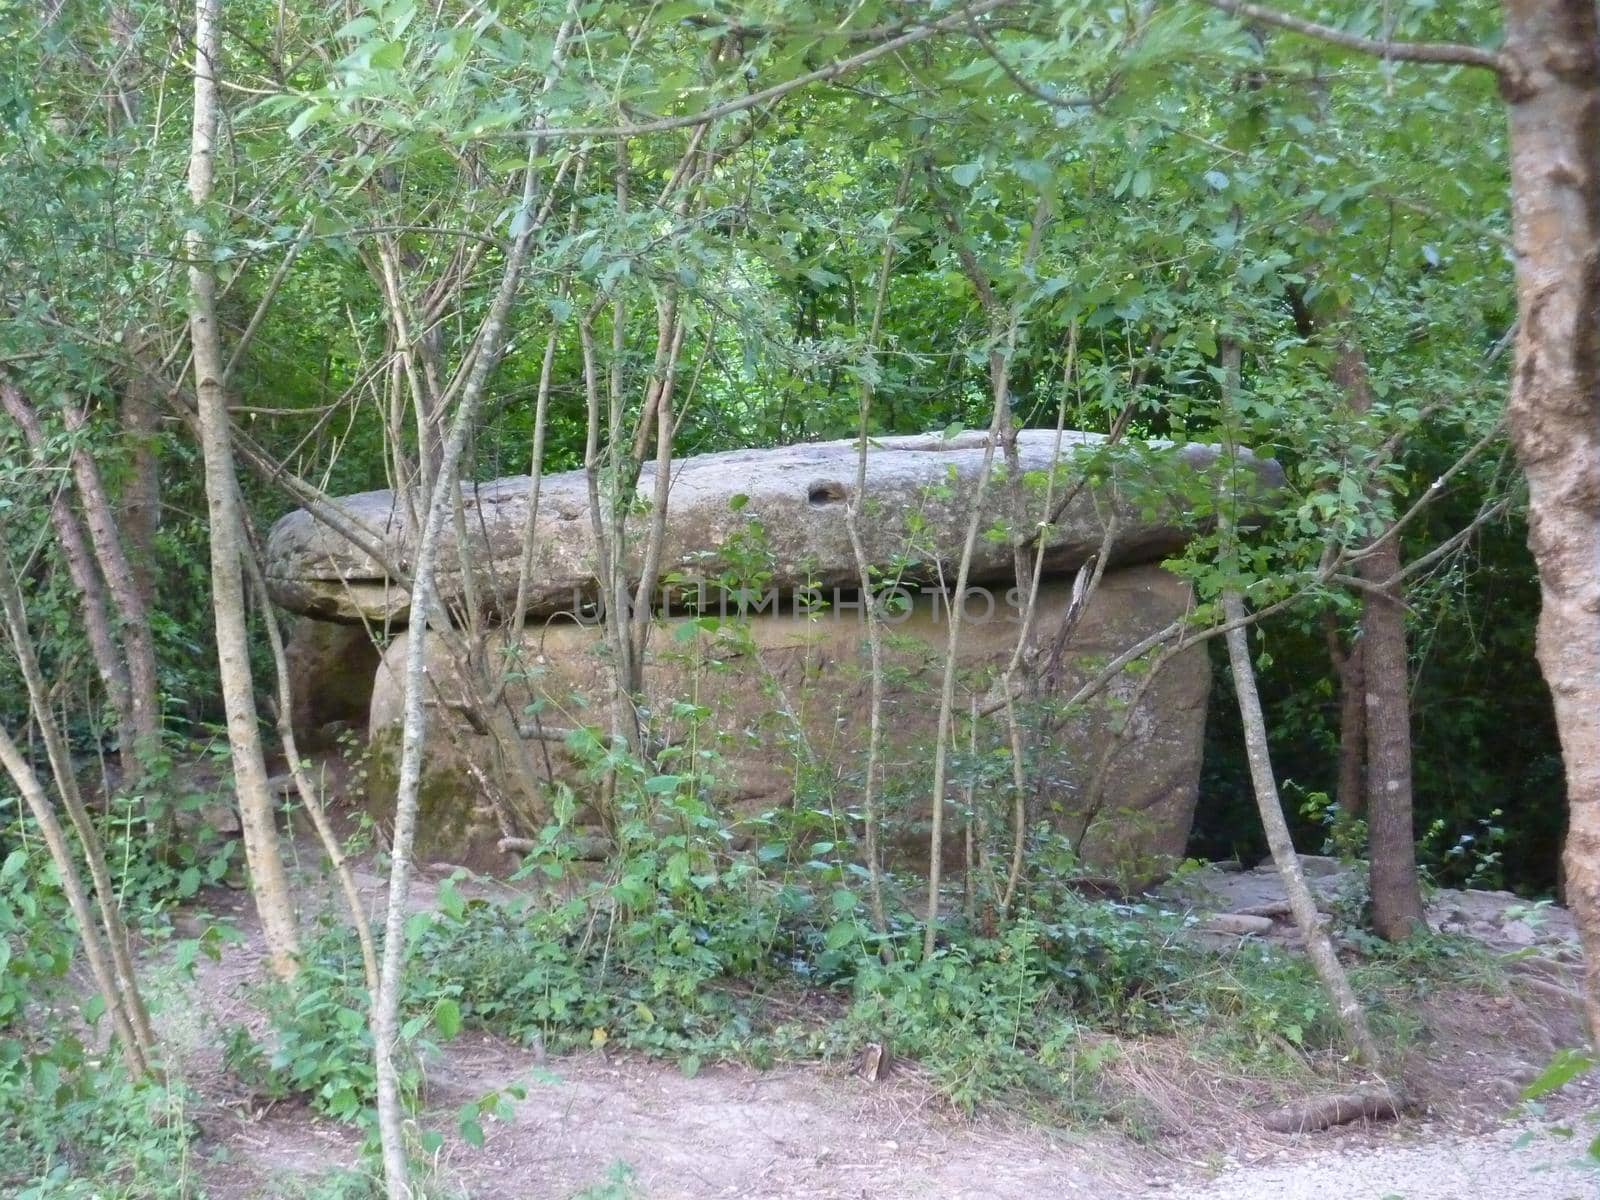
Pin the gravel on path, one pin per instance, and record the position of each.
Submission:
(1492, 1166)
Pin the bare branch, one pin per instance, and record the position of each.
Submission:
(833, 70)
(1424, 52)
(1039, 91)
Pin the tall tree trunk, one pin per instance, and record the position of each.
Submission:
(15, 619)
(1319, 948)
(268, 881)
(1350, 792)
(108, 659)
(1269, 804)
(141, 496)
(1386, 670)
(1552, 84)
(138, 643)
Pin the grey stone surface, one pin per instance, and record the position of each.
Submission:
(919, 498)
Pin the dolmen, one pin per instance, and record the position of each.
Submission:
(756, 694)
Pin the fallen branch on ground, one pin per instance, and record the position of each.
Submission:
(1324, 1112)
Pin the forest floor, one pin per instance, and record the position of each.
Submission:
(609, 1127)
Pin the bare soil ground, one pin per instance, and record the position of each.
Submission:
(619, 1126)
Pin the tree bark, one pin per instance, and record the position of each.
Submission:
(1386, 669)
(141, 496)
(81, 566)
(137, 641)
(1350, 792)
(1319, 949)
(1552, 87)
(256, 817)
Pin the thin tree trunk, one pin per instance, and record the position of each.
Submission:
(100, 515)
(441, 500)
(658, 404)
(424, 615)
(16, 765)
(126, 978)
(1319, 948)
(310, 798)
(1386, 668)
(141, 495)
(1350, 788)
(108, 660)
(1391, 836)
(869, 604)
(999, 370)
(1008, 680)
(1003, 328)
(1553, 89)
(256, 817)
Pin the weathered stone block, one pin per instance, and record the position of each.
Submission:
(779, 699)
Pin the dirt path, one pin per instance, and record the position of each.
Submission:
(727, 1132)
(651, 1133)
(1494, 1166)
(623, 1128)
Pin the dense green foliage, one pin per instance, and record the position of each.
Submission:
(1101, 195)
(1219, 182)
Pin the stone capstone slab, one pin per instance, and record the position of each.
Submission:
(919, 496)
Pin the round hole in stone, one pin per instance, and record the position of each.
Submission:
(825, 492)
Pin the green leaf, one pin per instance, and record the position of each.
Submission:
(417, 925)
(1564, 1067)
(308, 117)
(451, 902)
(447, 1017)
(357, 27)
(841, 935)
(966, 174)
(15, 861)
(390, 56)
(1034, 171)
